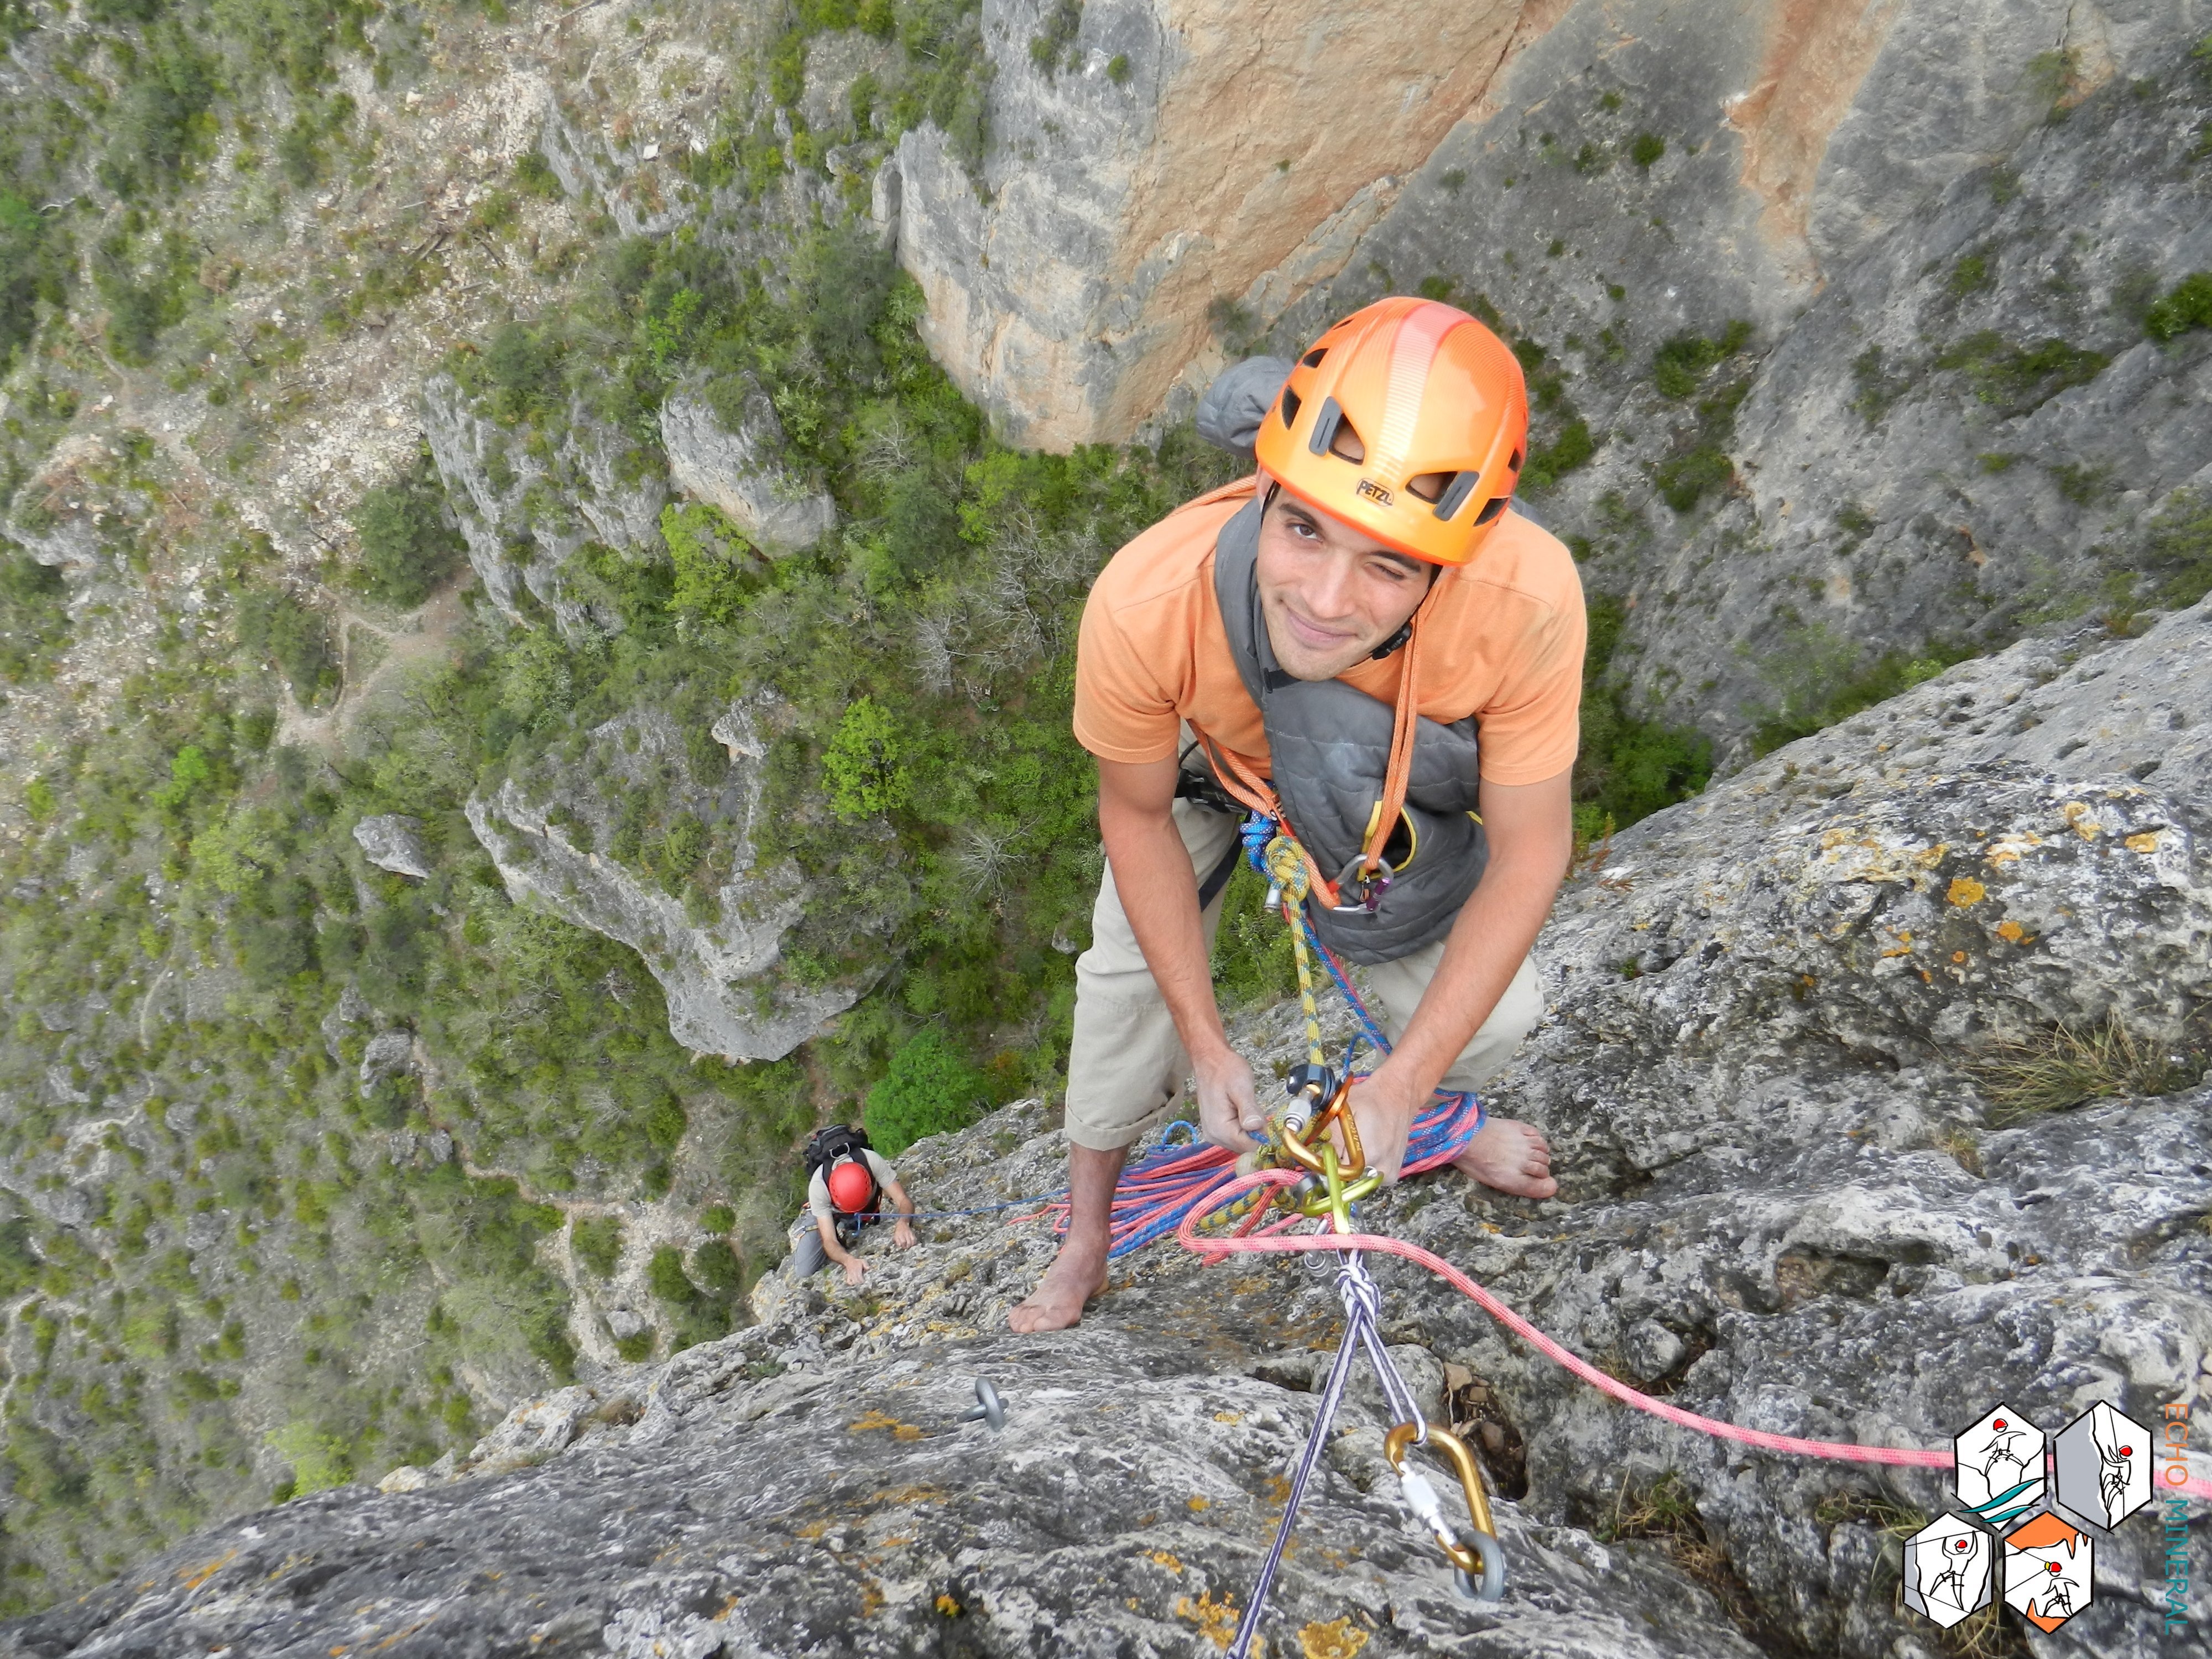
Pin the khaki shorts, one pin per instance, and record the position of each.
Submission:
(1127, 1066)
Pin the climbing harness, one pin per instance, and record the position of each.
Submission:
(1327, 1188)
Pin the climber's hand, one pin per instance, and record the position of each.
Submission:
(902, 1234)
(1385, 1117)
(854, 1268)
(1228, 1102)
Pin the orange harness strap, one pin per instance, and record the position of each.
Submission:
(1395, 778)
(1254, 791)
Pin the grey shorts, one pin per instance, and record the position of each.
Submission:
(1127, 1066)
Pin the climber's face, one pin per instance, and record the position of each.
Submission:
(1330, 595)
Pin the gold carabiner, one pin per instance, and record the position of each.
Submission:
(1336, 1114)
(1470, 1482)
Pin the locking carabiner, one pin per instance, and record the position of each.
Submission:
(1480, 1569)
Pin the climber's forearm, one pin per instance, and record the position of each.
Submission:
(1158, 892)
(1530, 830)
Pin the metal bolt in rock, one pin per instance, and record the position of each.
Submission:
(987, 1408)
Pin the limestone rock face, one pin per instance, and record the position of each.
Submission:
(1785, 1204)
(1233, 145)
(715, 940)
(393, 842)
(524, 516)
(742, 473)
(1941, 223)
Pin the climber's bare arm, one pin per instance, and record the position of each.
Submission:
(902, 1209)
(1159, 895)
(1530, 828)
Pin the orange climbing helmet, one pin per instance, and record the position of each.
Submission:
(1408, 421)
(852, 1189)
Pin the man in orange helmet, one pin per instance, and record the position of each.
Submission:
(1365, 642)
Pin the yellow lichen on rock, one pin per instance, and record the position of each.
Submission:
(1338, 1639)
(1965, 892)
(875, 1419)
(2081, 820)
(1217, 1621)
(2146, 841)
(2012, 933)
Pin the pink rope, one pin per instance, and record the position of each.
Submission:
(1213, 1251)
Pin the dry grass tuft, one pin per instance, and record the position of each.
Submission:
(2065, 1067)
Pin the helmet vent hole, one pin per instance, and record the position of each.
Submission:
(1514, 466)
(1496, 506)
(1456, 493)
(1290, 402)
(1429, 486)
(1312, 359)
(1330, 430)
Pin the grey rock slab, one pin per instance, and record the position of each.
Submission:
(388, 1054)
(393, 842)
(525, 515)
(742, 472)
(1124, 1508)
(725, 990)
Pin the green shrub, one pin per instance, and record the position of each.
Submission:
(1648, 148)
(1054, 49)
(1684, 478)
(666, 1122)
(320, 1461)
(2189, 306)
(665, 1278)
(597, 1242)
(33, 267)
(929, 1089)
(2021, 379)
(1824, 679)
(1628, 767)
(715, 567)
(1970, 276)
(34, 616)
(534, 176)
(2179, 556)
(1680, 366)
(275, 623)
(407, 547)
(716, 1270)
(862, 765)
(1549, 463)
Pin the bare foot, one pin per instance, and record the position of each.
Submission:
(1509, 1157)
(1077, 1274)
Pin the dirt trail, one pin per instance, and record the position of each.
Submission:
(424, 635)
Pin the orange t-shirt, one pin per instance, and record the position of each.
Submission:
(1502, 640)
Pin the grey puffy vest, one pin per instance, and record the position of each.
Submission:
(1331, 748)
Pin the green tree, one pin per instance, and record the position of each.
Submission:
(862, 763)
(407, 547)
(930, 1089)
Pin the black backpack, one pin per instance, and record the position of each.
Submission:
(839, 1140)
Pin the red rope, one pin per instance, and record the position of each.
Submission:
(1213, 1250)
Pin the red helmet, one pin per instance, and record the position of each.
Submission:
(852, 1189)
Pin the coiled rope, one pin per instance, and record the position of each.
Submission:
(1156, 1193)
